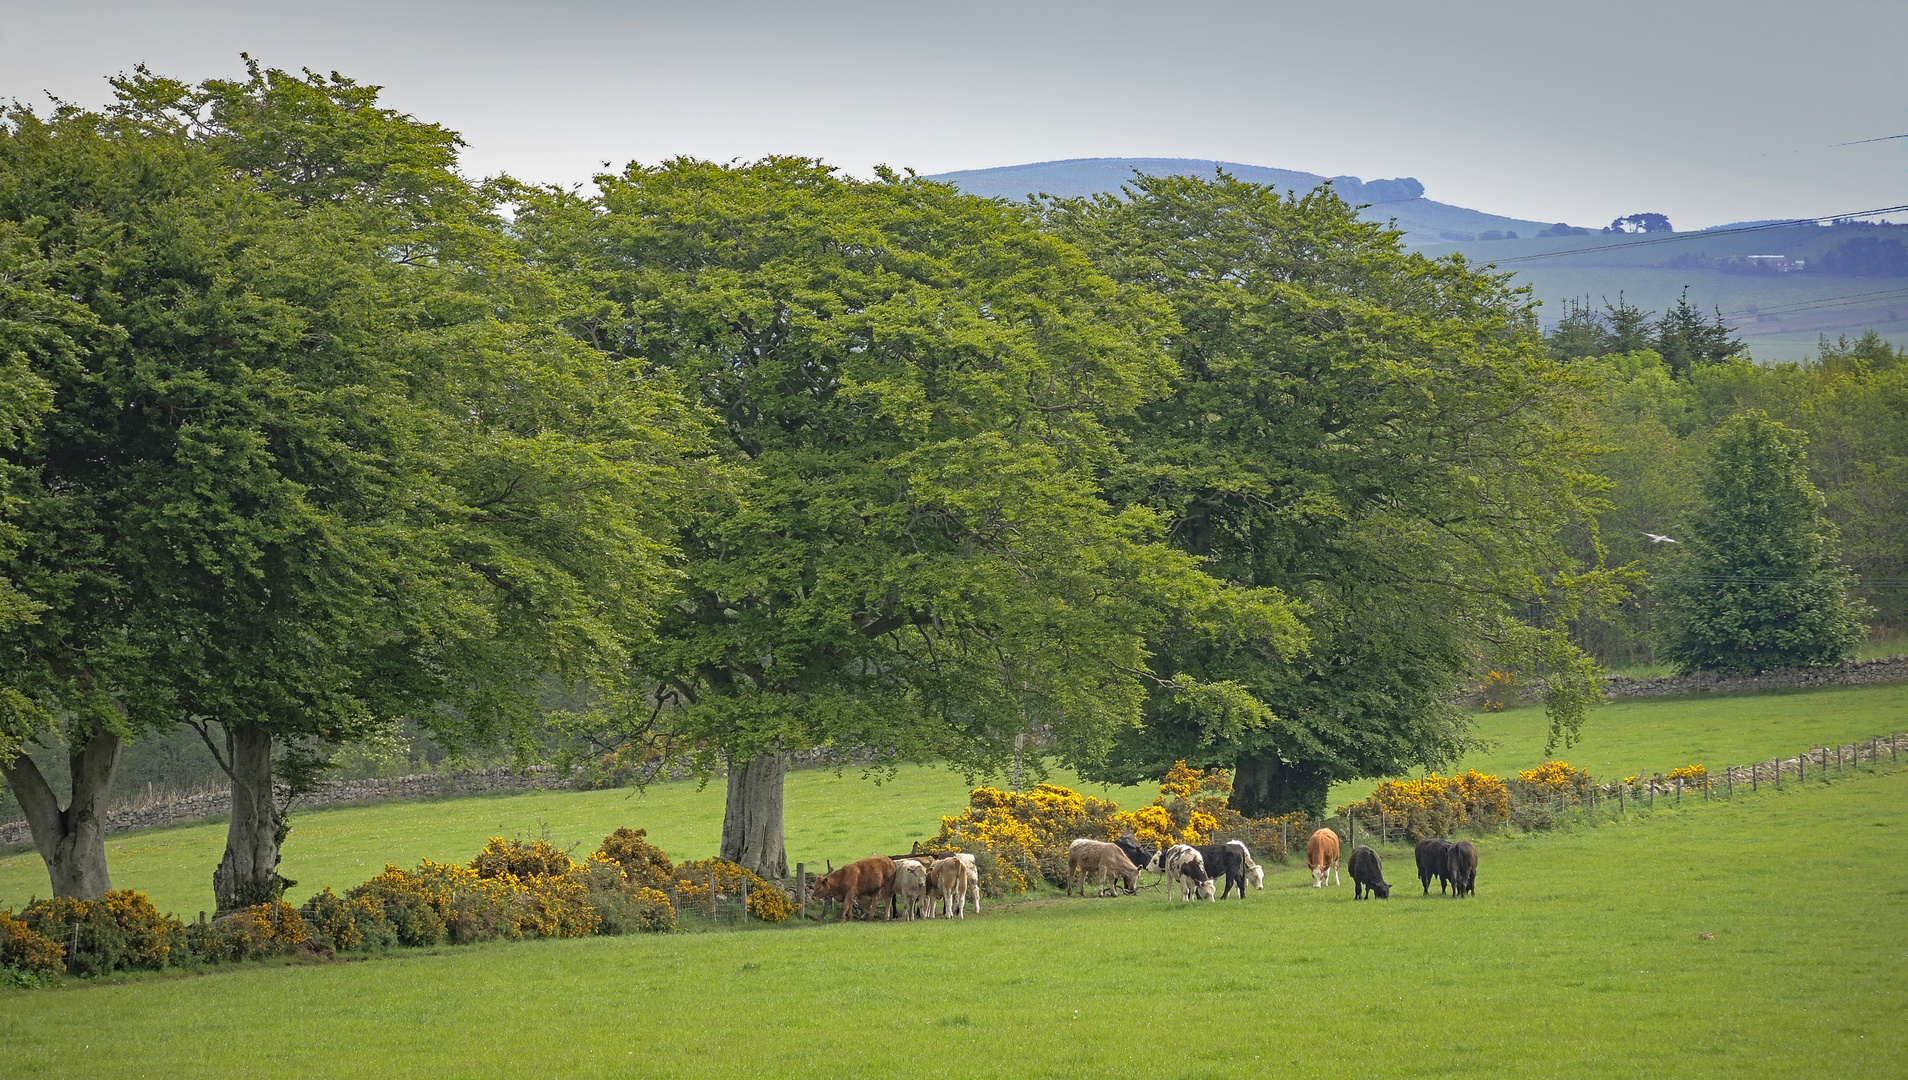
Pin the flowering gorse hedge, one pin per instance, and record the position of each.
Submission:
(1027, 834)
(1436, 805)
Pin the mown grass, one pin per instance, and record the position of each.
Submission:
(1580, 955)
(1650, 735)
(828, 817)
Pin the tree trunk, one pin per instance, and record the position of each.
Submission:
(752, 821)
(249, 872)
(1268, 787)
(71, 841)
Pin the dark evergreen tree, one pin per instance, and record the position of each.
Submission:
(1762, 585)
(1684, 338)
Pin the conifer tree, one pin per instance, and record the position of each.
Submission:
(1762, 585)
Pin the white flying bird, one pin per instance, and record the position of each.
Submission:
(1656, 539)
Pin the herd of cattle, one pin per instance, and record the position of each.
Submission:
(927, 886)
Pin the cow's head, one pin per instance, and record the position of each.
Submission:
(1383, 889)
(1257, 874)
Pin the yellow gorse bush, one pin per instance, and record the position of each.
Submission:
(1694, 776)
(1556, 777)
(1435, 805)
(24, 949)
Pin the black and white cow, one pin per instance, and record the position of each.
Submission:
(1233, 861)
(1185, 872)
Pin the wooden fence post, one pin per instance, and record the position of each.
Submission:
(1620, 789)
(1801, 767)
(712, 903)
(1729, 781)
(801, 890)
(745, 903)
(1778, 773)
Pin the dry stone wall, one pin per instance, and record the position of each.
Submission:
(1889, 669)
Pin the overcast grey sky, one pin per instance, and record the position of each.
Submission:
(1709, 112)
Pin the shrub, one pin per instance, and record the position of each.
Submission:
(1554, 778)
(273, 928)
(642, 862)
(121, 931)
(1427, 807)
(1486, 798)
(692, 887)
(408, 903)
(514, 858)
(623, 908)
(1497, 689)
(1692, 776)
(26, 954)
(347, 925)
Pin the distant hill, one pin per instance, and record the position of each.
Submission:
(1780, 288)
(1423, 220)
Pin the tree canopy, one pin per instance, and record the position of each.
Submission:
(1380, 436)
(913, 387)
(317, 458)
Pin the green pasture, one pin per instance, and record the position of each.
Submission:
(848, 816)
(1580, 955)
(834, 817)
(1632, 736)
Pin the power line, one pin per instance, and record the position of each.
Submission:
(1706, 234)
(1859, 142)
(1822, 303)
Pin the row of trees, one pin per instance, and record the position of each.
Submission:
(312, 436)
(1786, 487)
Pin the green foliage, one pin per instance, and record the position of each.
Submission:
(1762, 584)
(26, 955)
(1378, 435)
(913, 388)
(122, 931)
(347, 925)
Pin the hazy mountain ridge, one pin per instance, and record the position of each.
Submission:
(1400, 199)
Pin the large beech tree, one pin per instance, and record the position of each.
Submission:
(317, 458)
(914, 388)
(1377, 434)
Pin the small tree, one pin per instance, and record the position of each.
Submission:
(1762, 585)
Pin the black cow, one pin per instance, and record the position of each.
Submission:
(1140, 854)
(1431, 856)
(1228, 859)
(1460, 865)
(1367, 872)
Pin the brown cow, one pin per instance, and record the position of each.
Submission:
(1321, 854)
(947, 879)
(872, 876)
(1090, 858)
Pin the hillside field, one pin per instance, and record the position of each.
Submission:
(1582, 954)
(844, 817)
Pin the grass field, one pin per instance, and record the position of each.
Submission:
(845, 817)
(1579, 955)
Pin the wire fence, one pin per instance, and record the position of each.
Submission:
(1594, 802)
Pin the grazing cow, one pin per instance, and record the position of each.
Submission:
(1093, 859)
(1431, 855)
(871, 877)
(1184, 869)
(1253, 869)
(1367, 874)
(1460, 863)
(1230, 860)
(948, 879)
(910, 887)
(1321, 854)
(1139, 853)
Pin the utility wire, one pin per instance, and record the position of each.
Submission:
(1859, 142)
(1705, 234)
(1822, 303)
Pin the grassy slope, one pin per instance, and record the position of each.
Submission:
(1660, 734)
(829, 817)
(1580, 954)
